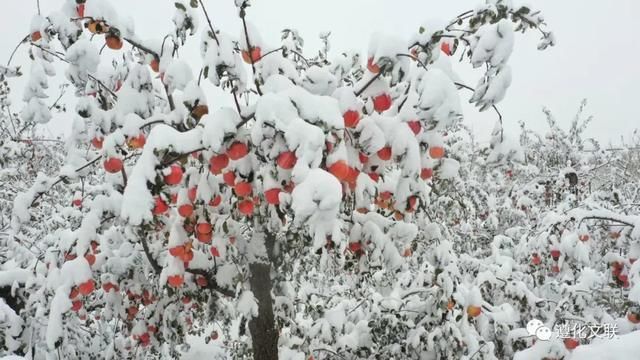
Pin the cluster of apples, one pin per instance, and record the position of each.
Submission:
(252, 56)
(555, 254)
(242, 188)
(90, 256)
(620, 274)
(112, 37)
(145, 298)
(115, 164)
(381, 102)
(77, 292)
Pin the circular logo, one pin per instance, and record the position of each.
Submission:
(533, 326)
(537, 328)
(543, 333)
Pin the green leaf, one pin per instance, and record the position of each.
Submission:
(205, 73)
(180, 6)
(194, 4)
(421, 30)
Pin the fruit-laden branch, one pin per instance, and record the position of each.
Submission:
(253, 61)
(63, 178)
(606, 218)
(211, 282)
(67, 61)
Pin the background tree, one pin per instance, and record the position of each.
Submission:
(335, 208)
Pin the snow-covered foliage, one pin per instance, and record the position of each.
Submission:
(322, 208)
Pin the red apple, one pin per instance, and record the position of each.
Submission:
(80, 10)
(474, 311)
(237, 150)
(229, 178)
(339, 169)
(137, 142)
(363, 158)
(242, 189)
(535, 259)
(415, 126)
(426, 173)
(185, 210)
(246, 207)
(446, 48)
(273, 196)
(160, 207)
(91, 259)
(436, 152)
(253, 56)
(374, 68)
(217, 200)
(385, 153)
(87, 287)
(175, 280)
(175, 175)
(218, 162)
(214, 251)
(351, 118)
(113, 165)
(97, 142)
(287, 160)
(382, 102)
(571, 344)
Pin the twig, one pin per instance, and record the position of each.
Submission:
(495, 108)
(63, 178)
(213, 31)
(211, 283)
(235, 100)
(124, 176)
(606, 218)
(24, 40)
(301, 57)
(141, 47)
(154, 264)
(371, 81)
(58, 99)
(172, 105)
(462, 16)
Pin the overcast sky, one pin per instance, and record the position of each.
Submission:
(596, 55)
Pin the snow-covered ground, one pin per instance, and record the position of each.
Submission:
(624, 347)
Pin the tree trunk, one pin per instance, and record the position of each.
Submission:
(263, 327)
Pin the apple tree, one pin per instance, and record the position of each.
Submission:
(284, 204)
